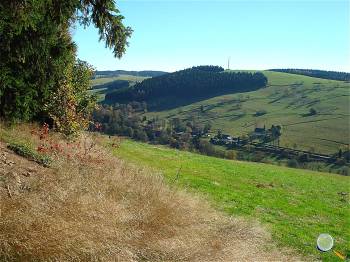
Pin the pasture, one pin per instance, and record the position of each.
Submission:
(295, 205)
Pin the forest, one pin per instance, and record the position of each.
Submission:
(187, 86)
(341, 76)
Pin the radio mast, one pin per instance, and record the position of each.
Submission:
(228, 63)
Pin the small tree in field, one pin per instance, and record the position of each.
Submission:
(312, 111)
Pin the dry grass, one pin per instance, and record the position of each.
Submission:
(96, 208)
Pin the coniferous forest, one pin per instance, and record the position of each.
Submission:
(333, 75)
(188, 86)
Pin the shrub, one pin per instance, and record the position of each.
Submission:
(258, 156)
(312, 111)
(27, 152)
(345, 171)
(304, 158)
(71, 105)
(241, 155)
(230, 154)
(207, 148)
(260, 113)
(292, 163)
(340, 162)
(141, 135)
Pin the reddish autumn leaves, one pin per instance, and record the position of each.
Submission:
(82, 149)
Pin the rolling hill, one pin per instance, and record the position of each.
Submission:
(187, 86)
(286, 101)
(144, 73)
(108, 83)
(333, 75)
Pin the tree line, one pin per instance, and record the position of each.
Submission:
(333, 75)
(187, 86)
(127, 120)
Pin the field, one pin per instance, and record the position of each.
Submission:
(295, 205)
(101, 92)
(286, 101)
(105, 80)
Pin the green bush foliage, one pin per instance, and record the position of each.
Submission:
(27, 152)
(71, 105)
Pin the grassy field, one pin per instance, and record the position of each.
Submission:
(295, 205)
(101, 92)
(287, 101)
(105, 80)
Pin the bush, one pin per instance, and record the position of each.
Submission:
(304, 158)
(312, 111)
(71, 105)
(207, 148)
(258, 156)
(141, 135)
(292, 163)
(345, 171)
(230, 154)
(242, 155)
(27, 152)
(340, 162)
(260, 113)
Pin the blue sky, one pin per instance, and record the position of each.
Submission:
(170, 35)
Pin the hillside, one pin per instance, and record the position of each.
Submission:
(187, 86)
(333, 75)
(90, 206)
(108, 83)
(286, 101)
(296, 205)
(115, 73)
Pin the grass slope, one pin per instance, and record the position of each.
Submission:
(90, 206)
(296, 205)
(101, 92)
(287, 101)
(105, 80)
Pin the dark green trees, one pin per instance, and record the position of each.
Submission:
(188, 86)
(342, 76)
(37, 57)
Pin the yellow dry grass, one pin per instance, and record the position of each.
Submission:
(98, 208)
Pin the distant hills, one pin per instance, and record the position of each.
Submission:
(286, 100)
(332, 75)
(145, 73)
(187, 86)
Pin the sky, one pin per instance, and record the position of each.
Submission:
(171, 35)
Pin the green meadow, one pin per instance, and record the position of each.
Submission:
(294, 205)
(105, 80)
(101, 92)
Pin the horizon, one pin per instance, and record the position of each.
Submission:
(142, 70)
(257, 35)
